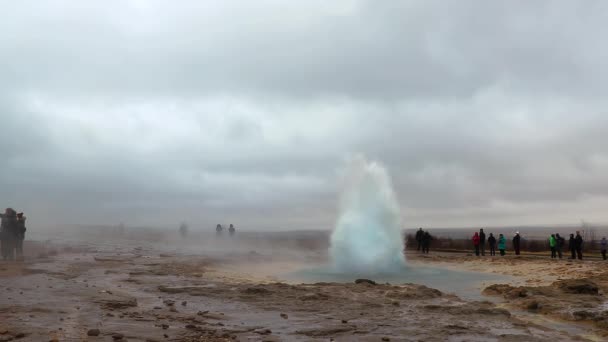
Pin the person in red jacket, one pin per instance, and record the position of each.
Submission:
(476, 243)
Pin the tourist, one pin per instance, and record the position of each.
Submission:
(218, 229)
(482, 242)
(492, 244)
(231, 230)
(419, 236)
(8, 230)
(603, 245)
(552, 244)
(559, 245)
(516, 243)
(426, 242)
(502, 244)
(571, 246)
(20, 236)
(476, 243)
(578, 245)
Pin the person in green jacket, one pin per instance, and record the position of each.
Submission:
(552, 244)
(502, 244)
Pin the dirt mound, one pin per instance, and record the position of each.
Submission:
(413, 291)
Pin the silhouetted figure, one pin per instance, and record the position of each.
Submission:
(218, 229)
(482, 242)
(559, 245)
(578, 245)
(516, 243)
(476, 243)
(426, 242)
(419, 236)
(572, 246)
(502, 244)
(231, 230)
(492, 244)
(552, 245)
(183, 229)
(20, 236)
(8, 231)
(603, 246)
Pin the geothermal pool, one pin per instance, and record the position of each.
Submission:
(464, 284)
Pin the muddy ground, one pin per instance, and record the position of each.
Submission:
(139, 292)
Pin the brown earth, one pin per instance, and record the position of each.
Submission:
(140, 293)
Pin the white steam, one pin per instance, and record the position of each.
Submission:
(367, 237)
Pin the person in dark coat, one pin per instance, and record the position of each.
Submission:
(20, 236)
(578, 245)
(516, 243)
(8, 228)
(560, 245)
(492, 244)
(231, 230)
(482, 242)
(419, 236)
(219, 229)
(571, 246)
(426, 242)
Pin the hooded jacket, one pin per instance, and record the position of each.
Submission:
(502, 242)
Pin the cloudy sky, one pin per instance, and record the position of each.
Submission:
(150, 112)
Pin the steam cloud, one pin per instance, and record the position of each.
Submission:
(367, 237)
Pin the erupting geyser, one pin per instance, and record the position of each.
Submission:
(367, 237)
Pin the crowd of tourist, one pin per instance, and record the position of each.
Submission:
(482, 243)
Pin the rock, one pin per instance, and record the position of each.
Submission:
(19, 335)
(314, 296)
(328, 331)
(117, 336)
(165, 326)
(284, 316)
(263, 331)
(184, 303)
(344, 321)
(256, 290)
(93, 332)
(365, 281)
(532, 305)
(386, 339)
(173, 309)
(169, 302)
(157, 308)
(190, 326)
(577, 286)
(584, 315)
(518, 292)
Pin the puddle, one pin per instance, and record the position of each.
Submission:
(464, 284)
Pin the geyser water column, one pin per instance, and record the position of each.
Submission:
(367, 237)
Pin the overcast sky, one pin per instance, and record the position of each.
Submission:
(153, 112)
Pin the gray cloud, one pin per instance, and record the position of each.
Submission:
(149, 112)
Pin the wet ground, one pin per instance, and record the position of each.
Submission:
(140, 292)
